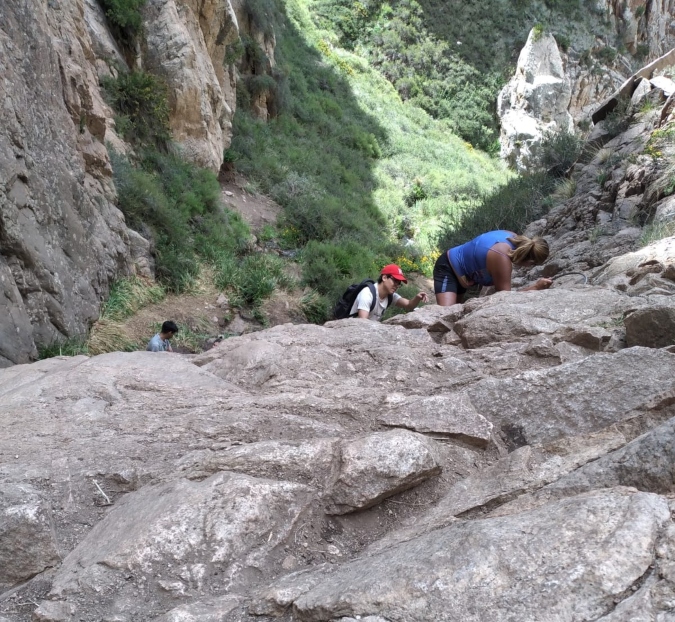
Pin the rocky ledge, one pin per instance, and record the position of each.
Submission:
(509, 458)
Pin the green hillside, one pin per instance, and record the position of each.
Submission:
(364, 177)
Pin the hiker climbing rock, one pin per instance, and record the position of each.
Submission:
(369, 300)
(161, 341)
(487, 260)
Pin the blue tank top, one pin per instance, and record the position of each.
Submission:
(470, 260)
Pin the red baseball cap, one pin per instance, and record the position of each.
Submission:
(394, 272)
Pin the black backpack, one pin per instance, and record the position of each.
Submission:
(346, 302)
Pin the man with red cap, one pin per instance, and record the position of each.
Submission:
(391, 277)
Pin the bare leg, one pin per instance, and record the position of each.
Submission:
(446, 299)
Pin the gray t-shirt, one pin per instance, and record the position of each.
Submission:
(157, 344)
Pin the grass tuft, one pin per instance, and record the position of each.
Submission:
(657, 231)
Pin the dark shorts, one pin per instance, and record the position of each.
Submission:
(444, 277)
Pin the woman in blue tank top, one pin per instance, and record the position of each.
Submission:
(487, 260)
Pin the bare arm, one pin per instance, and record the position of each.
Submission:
(411, 304)
(362, 314)
(499, 266)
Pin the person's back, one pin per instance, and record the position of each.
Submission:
(157, 344)
(160, 342)
(469, 260)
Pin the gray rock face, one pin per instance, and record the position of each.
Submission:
(27, 539)
(598, 391)
(509, 316)
(380, 465)
(62, 238)
(181, 534)
(653, 327)
(581, 554)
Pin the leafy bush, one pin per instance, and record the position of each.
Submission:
(252, 279)
(178, 205)
(537, 32)
(563, 41)
(642, 51)
(512, 207)
(558, 151)
(317, 308)
(124, 17)
(330, 267)
(63, 347)
(141, 100)
(233, 51)
(607, 54)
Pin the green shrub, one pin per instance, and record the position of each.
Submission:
(330, 267)
(141, 100)
(263, 14)
(416, 193)
(563, 41)
(537, 32)
(618, 119)
(639, 11)
(512, 207)
(607, 54)
(251, 279)
(233, 51)
(124, 18)
(317, 308)
(641, 51)
(558, 151)
(178, 206)
(72, 346)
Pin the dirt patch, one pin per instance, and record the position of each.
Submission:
(198, 311)
(256, 209)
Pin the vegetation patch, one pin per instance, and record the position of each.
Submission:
(523, 199)
(124, 18)
(657, 231)
(178, 206)
(141, 102)
(364, 178)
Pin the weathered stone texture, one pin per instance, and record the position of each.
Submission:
(62, 240)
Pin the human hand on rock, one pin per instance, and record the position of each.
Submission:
(543, 283)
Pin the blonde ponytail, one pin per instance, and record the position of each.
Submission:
(528, 249)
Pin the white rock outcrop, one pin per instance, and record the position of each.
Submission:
(534, 102)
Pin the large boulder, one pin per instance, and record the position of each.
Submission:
(577, 557)
(585, 396)
(27, 538)
(380, 465)
(653, 327)
(174, 538)
(574, 316)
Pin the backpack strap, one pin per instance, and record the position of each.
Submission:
(371, 286)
